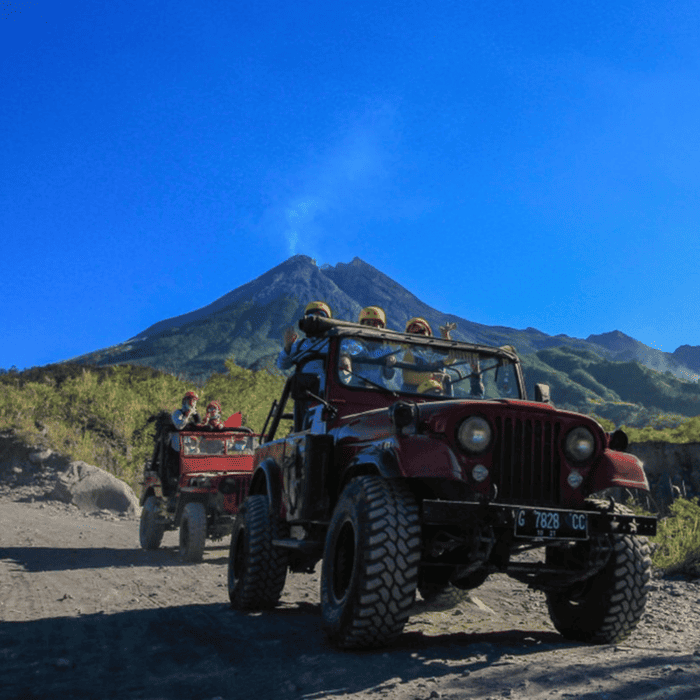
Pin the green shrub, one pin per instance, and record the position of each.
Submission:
(667, 428)
(678, 540)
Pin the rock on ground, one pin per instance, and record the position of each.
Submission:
(91, 488)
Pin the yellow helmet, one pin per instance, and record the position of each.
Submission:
(318, 308)
(421, 323)
(430, 386)
(372, 316)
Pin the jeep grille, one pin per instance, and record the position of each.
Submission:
(526, 462)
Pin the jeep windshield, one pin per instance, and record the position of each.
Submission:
(208, 444)
(433, 369)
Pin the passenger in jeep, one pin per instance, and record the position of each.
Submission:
(181, 418)
(302, 351)
(345, 370)
(375, 316)
(413, 379)
(212, 418)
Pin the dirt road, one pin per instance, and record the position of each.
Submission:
(87, 614)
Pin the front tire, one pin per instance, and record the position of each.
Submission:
(606, 608)
(370, 564)
(256, 569)
(150, 530)
(193, 532)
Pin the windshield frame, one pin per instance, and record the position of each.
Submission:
(336, 330)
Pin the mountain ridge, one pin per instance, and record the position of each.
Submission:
(248, 322)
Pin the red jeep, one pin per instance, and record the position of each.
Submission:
(401, 490)
(214, 469)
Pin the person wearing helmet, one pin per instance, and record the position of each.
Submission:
(381, 374)
(418, 326)
(413, 379)
(212, 418)
(372, 316)
(306, 353)
(313, 308)
(181, 418)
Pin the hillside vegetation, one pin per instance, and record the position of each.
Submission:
(100, 414)
(625, 393)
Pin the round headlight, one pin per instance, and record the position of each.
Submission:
(579, 444)
(474, 435)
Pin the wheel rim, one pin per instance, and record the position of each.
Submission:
(343, 561)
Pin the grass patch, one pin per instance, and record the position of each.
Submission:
(677, 540)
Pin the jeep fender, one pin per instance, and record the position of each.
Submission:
(267, 480)
(151, 487)
(379, 459)
(414, 456)
(618, 469)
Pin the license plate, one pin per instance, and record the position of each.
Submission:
(551, 524)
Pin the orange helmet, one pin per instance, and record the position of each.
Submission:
(318, 308)
(430, 386)
(372, 316)
(420, 326)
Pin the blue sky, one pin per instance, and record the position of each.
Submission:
(517, 164)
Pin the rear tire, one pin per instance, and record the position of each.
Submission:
(256, 569)
(370, 564)
(150, 530)
(193, 532)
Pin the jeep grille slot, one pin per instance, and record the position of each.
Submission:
(526, 464)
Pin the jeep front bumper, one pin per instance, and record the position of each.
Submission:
(536, 523)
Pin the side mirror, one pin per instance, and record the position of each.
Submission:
(618, 440)
(542, 393)
(303, 382)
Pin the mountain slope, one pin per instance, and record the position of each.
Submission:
(610, 374)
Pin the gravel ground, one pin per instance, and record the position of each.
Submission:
(87, 614)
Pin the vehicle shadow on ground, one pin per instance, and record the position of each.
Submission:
(206, 651)
(62, 559)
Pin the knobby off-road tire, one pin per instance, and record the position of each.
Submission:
(370, 564)
(607, 607)
(150, 531)
(256, 570)
(193, 532)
